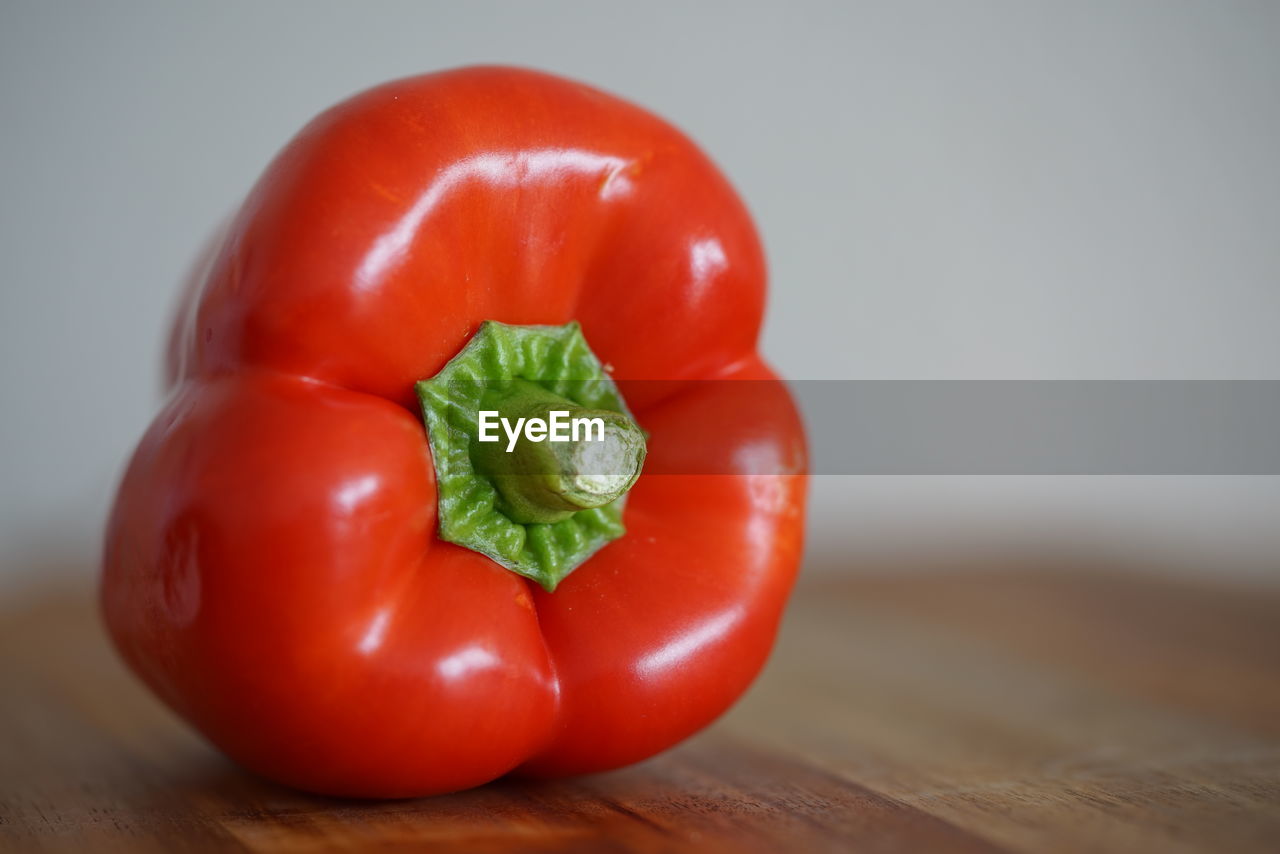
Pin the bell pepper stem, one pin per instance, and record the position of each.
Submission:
(537, 506)
(552, 457)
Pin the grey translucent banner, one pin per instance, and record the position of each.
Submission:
(1190, 427)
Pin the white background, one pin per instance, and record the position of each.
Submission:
(946, 190)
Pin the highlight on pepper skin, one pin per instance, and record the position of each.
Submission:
(316, 561)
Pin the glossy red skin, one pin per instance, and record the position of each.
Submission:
(271, 567)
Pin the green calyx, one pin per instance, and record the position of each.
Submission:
(545, 489)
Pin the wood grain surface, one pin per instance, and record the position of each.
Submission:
(1015, 705)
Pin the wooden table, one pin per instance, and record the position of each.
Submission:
(999, 706)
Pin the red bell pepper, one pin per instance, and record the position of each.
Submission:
(281, 566)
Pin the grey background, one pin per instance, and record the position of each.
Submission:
(947, 190)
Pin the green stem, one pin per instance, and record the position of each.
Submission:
(576, 458)
(542, 508)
